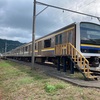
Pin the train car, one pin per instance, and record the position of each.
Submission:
(23, 52)
(88, 42)
(84, 36)
(45, 46)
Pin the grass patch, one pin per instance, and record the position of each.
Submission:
(52, 88)
(60, 86)
(25, 80)
(38, 77)
(76, 75)
(18, 82)
(3, 64)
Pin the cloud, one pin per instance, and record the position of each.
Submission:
(18, 14)
(16, 20)
(16, 17)
(52, 19)
(9, 33)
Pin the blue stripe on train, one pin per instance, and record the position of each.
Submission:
(92, 48)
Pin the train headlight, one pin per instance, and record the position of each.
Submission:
(96, 59)
(84, 50)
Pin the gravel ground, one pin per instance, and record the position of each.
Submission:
(49, 69)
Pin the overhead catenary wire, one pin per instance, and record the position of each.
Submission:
(89, 3)
(85, 6)
(47, 5)
(67, 9)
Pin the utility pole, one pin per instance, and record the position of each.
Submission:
(5, 49)
(33, 34)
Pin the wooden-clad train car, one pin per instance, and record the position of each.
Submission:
(84, 36)
(23, 52)
(77, 45)
(45, 46)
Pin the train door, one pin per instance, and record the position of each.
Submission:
(70, 37)
(39, 47)
(58, 39)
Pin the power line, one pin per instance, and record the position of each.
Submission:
(67, 9)
(75, 12)
(91, 2)
(88, 4)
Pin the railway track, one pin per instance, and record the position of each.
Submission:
(97, 73)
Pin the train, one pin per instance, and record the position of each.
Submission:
(74, 46)
(84, 36)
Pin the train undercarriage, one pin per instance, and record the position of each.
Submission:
(94, 63)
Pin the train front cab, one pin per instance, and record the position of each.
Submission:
(88, 42)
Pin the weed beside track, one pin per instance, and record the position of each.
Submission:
(19, 82)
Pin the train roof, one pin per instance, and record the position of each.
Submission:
(57, 31)
(63, 28)
(47, 35)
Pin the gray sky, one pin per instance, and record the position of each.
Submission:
(16, 17)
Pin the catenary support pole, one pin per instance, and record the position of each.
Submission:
(33, 34)
(5, 49)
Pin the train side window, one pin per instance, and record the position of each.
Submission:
(30, 47)
(26, 48)
(60, 39)
(56, 39)
(70, 37)
(47, 43)
(23, 49)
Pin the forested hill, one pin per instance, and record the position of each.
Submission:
(9, 44)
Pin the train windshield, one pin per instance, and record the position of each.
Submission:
(90, 38)
(90, 33)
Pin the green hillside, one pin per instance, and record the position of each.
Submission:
(9, 44)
